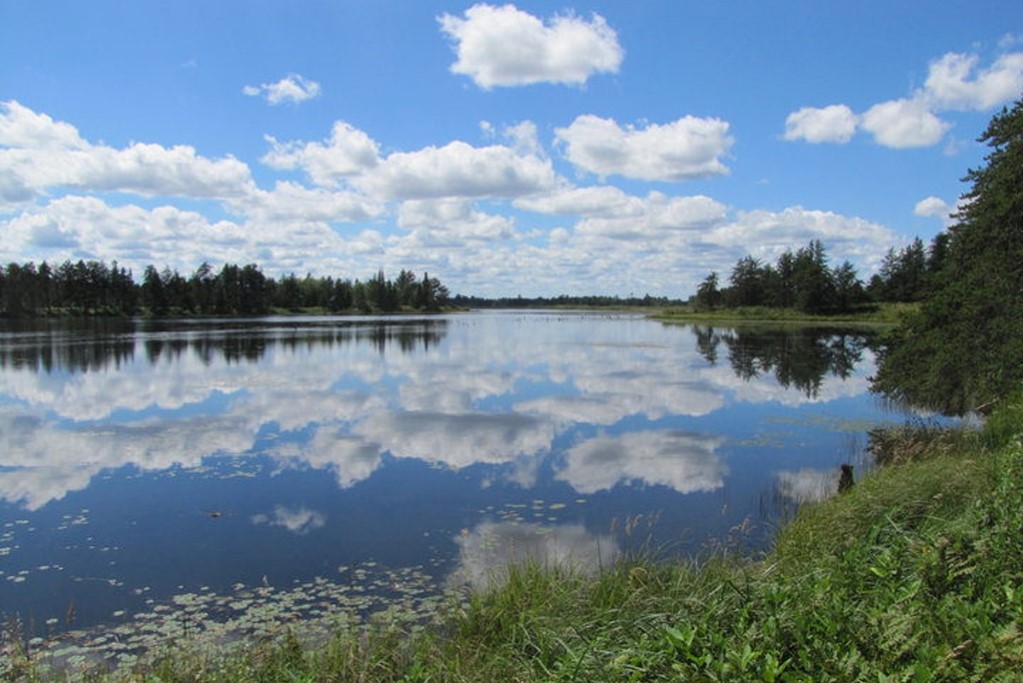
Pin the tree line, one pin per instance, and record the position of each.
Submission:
(804, 280)
(963, 349)
(562, 301)
(95, 288)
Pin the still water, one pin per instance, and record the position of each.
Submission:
(334, 464)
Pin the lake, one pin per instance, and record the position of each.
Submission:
(159, 478)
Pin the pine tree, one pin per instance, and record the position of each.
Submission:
(965, 347)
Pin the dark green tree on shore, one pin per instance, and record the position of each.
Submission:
(93, 288)
(965, 346)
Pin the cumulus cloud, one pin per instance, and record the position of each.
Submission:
(23, 128)
(452, 221)
(71, 226)
(347, 152)
(39, 154)
(766, 234)
(290, 201)
(587, 201)
(954, 83)
(458, 170)
(836, 123)
(685, 149)
(504, 46)
(655, 215)
(905, 123)
(292, 88)
(935, 207)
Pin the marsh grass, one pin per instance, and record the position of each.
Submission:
(916, 574)
(876, 314)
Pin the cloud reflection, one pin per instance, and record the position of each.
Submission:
(494, 390)
(486, 552)
(299, 520)
(808, 485)
(685, 462)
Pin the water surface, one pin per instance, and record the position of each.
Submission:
(219, 465)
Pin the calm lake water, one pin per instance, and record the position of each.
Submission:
(226, 470)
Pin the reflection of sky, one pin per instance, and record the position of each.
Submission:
(683, 462)
(486, 551)
(808, 485)
(280, 452)
(493, 389)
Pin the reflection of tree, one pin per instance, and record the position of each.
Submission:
(97, 344)
(707, 342)
(84, 345)
(798, 357)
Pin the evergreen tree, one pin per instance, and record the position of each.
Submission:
(748, 283)
(812, 280)
(154, 294)
(708, 296)
(965, 346)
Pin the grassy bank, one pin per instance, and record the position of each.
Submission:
(879, 314)
(915, 574)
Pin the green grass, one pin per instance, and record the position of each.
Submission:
(880, 314)
(916, 574)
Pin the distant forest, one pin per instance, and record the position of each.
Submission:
(563, 301)
(801, 280)
(804, 281)
(94, 288)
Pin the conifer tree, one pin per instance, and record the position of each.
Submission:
(965, 347)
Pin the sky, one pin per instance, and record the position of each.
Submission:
(535, 149)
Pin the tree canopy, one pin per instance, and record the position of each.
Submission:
(964, 347)
(93, 288)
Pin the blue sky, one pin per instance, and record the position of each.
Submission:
(535, 148)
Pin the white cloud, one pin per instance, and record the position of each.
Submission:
(682, 150)
(587, 201)
(349, 151)
(766, 234)
(902, 124)
(452, 221)
(655, 214)
(504, 46)
(951, 83)
(954, 83)
(292, 88)
(935, 207)
(932, 206)
(836, 123)
(290, 201)
(276, 237)
(23, 128)
(458, 170)
(40, 154)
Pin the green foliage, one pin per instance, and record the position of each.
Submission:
(802, 281)
(965, 347)
(92, 288)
